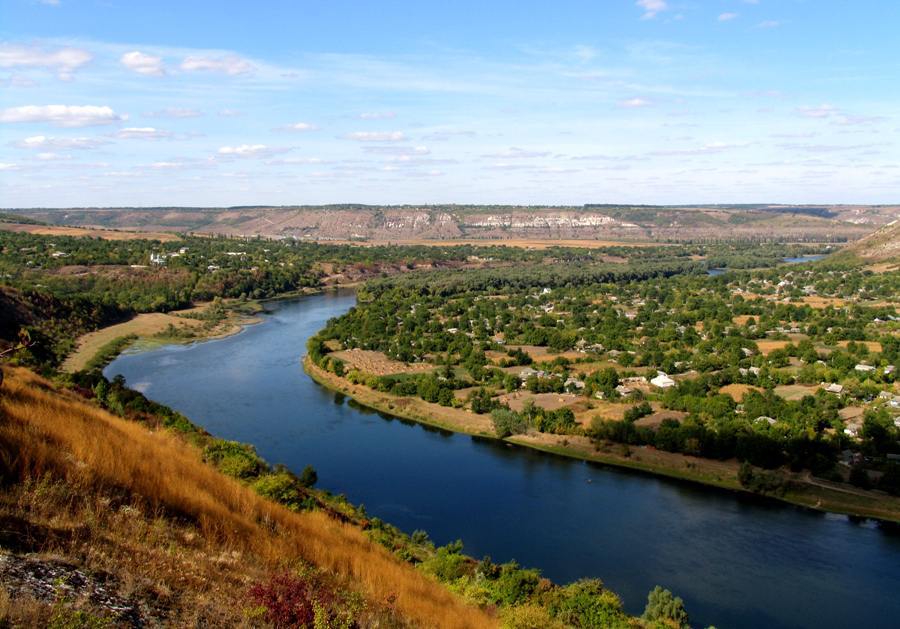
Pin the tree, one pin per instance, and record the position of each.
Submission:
(663, 607)
(507, 422)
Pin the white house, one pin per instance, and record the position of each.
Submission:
(864, 368)
(662, 381)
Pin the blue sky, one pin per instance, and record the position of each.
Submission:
(134, 103)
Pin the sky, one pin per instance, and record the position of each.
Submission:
(197, 103)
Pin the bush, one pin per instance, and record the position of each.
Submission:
(507, 422)
(665, 608)
(235, 459)
(515, 584)
(281, 486)
(304, 600)
(447, 564)
(586, 604)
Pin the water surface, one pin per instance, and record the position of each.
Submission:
(737, 561)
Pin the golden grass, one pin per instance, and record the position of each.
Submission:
(377, 363)
(105, 234)
(45, 431)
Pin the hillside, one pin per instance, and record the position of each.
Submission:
(881, 246)
(451, 222)
(101, 518)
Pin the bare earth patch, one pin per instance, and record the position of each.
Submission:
(794, 392)
(548, 401)
(738, 391)
(377, 364)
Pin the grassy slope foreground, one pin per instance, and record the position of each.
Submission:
(127, 523)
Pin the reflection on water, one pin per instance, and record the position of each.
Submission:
(737, 560)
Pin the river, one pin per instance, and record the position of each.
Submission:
(737, 561)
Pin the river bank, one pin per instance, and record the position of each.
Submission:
(804, 490)
(150, 330)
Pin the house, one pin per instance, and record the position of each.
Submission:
(574, 382)
(763, 418)
(864, 368)
(526, 373)
(889, 370)
(662, 381)
(834, 388)
(624, 390)
(747, 351)
(754, 371)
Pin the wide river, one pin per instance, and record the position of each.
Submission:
(737, 561)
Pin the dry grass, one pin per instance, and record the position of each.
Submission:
(548, 401)
(55, 433)
(873, 346)
(795, 392)
(766, 347)
(105, 234)
(738, 391)
(376, 363)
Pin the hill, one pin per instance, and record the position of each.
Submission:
(102, 518)
(881, 246)
(352, 222)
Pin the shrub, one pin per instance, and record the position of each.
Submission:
(235, 459)
(507, 422)
(665, 608)
(515, 584)
(447, 564)
(587, 603)
(281, 487)
(304, 600)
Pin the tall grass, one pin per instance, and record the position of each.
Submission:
(44, 431)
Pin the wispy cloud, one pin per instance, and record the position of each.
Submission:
(62, 115)
(251, 150)
(174, 112)
(652, 8)
(64, 61)
(300, 126)
(48, 142)
(231, 65)
(378, 115)
(376, 136)
(142, 133)
(142, 63)
(727, 17)
(634, 103)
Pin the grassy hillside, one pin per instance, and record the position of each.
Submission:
(131, 524)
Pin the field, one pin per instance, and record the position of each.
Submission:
(87, 232)
(738, 391)
(794, 392)
(377, 364)
(549, 401)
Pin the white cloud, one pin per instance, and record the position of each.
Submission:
(515, 152)
(635, 103)
(300, 126)
(63, 61)
(231, 65)
(821, 111)
(62, 115)
(250, 150)
(585, 53)
(142, 133)
(376, 136)
(378, 115)
(230, 113)
(769, 24)
(142, 63)
(46, 142)
(52, 157)
(8, 166)
(164, 165)
(174, 112)
(727, 17)
(652, 8)
(49, 3)
(406, 151)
